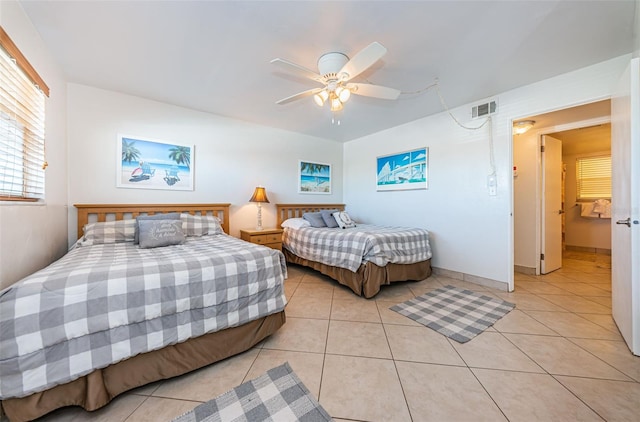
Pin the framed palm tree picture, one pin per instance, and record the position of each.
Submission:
(314, 177)
(153, 164)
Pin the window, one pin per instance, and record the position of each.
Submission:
(594, 177)
(22, 110)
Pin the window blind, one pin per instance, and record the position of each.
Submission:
(22, 116)
(594, 177)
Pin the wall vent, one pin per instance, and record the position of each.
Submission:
(485, 109)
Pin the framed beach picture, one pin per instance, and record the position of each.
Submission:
(153, 164)
(403, 170)
(314, 177)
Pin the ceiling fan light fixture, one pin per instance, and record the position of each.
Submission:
(320, 98)
(343, 94)
(336, 105)
(523, 126)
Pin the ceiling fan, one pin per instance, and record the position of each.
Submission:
(335, 71)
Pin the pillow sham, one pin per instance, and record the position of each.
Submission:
(108, 232)
(343, 219)
(167, 216)
(295, 223)
(314, 218)
(156, 233)
(200, 225)
(327, 217)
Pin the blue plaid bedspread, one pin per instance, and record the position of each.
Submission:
(102, 304)
(350, 248)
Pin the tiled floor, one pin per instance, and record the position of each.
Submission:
(557, 356)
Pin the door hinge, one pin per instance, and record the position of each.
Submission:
(541, 257)
(541, 148)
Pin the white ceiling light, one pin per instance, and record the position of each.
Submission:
(521, 127)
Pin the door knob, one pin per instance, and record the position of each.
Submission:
(560, 211)
(626, 222)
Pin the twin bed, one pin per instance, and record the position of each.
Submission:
(363, 258)
(113, 315)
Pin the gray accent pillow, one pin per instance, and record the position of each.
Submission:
(108, 232)
(167, 216)
(156, 233)
(328, 218)
(200, 225)
(315, 219)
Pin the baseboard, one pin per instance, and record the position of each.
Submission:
(524, 270)
(487, 282)
(599, 251)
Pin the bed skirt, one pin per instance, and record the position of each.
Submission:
(98, 388)
(369, 277)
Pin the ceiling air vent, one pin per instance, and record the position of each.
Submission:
(485, 109)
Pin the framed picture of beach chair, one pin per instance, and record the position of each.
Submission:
(403, 170)
(314, 177)
(144, 163)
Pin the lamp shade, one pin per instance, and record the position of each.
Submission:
(259, 195)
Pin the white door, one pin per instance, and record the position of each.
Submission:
(625, 206)
(551, 257)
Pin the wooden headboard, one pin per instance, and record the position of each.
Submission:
(89, 213)
(285, 211)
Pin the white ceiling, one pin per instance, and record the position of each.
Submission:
(214, 56)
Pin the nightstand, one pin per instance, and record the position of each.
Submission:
(267, 237)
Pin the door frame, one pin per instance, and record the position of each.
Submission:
(539, 132)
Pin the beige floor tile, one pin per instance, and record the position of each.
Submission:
(519, 322)
(209, 382)
(396, 292)
(446, 281)
(345, 293)
(602, 286)
(363, 389)
(117, 411)
(612, 400)
(582, 289)
(575, 303)
(320, 290)
(538, 287)
(156, 409)
(361, 310)
(572, 325)
(605, 321)
(615, 353)
(592, 277)
(602, 300)
(301, 335)
(421, 287)
(357, 339)
(301, 306)
(312, 276)
(559, 356)
(290, 288)
(392, 317)
(493, 351)
(421, 344)
(529, 301)
(307, 366)
(530, 397)
(445, 393)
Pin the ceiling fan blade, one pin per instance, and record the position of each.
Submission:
(375, 91)
(299, 95)
(362, 60)
(301, 70)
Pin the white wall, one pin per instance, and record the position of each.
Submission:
(231, 157)
(471, 231)
(33, 235)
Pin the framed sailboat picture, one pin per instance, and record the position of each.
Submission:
(153, 164)
(403, 170)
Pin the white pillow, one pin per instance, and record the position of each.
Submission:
(296, 223)
(343, 220)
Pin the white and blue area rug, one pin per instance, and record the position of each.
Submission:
(456, 313)
(277, 396)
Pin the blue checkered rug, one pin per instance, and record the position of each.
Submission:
(456, 313)
(277, 396)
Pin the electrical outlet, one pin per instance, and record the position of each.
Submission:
(492, 184)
